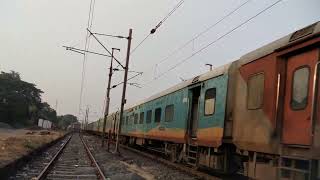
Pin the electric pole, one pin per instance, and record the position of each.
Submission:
(56, 106)
(86, 118)
(123, 100)
(106, 111)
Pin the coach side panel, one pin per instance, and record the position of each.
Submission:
(254, 117)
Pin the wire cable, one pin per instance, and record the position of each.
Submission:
(127, 80)
(104, 47)
(203, 32)
(170, 13)
(89, 25)
(140, 43)
(158, 25)
(213, 42)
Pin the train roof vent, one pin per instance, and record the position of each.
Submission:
(196, 79)
(302, 32)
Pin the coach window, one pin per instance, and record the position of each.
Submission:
(157, 115)
(127, 120)
(131, 119)
(255, 91)
(149, 116)
(169, 113)
(141, 118)
(135, 118)
(209, 102)
(300, 88)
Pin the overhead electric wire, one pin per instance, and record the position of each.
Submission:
(170, 13)
(89, 25)
(110, 35)
(84, 51)
(127, 80)
(201, 33)
(76, 51)
(104, 47)
(140, 43)
(158, 25)
(211, 43)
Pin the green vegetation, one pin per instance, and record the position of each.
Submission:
(21, 105)
(65, 120)
(30, 144)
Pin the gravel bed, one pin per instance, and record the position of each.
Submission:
(130, 165)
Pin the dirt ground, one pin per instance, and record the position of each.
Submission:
(16, 143)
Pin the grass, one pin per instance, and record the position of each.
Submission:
(30, 145)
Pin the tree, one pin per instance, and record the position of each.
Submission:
(46, 112)
(20, 101)
(21, 105)
(65, 120)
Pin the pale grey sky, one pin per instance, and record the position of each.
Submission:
(33, 31)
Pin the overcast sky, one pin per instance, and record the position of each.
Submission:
(33, 31)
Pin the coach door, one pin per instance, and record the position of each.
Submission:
(297, 122)
(194, 96)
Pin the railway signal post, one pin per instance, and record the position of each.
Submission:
(123, 100)
(106, 112)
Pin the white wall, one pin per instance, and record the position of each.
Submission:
(44, 124)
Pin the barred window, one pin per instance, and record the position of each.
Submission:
(255, 91)
(157, 115)
(141, 118)
(169, 113)
(300, 88)
(209, 102)
(149, 116)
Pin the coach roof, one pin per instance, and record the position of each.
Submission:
(298, 35)
(211, 74)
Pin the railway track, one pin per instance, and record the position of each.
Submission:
(73, 160)
(136, 153)
(153, 163)
(198, 172)
(180, 167)
(130, 165)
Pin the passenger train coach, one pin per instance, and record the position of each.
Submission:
(258, 115)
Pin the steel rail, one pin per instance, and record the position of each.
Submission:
(181, 167)
(93, 160)
(45, 171)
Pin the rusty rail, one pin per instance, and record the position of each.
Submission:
(93, 160)
(46, 170)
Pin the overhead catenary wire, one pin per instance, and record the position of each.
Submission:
(168, 15)
(81, 51)
(152, 31)
(127, 80)
(104, 47)
(202, 32)
(144, 39)
(213, 42)
(87, 40)
(77, 51)
(156, 27)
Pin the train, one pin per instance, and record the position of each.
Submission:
(74, 127)
(257, 116)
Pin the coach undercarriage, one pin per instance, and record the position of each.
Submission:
(227, 159)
